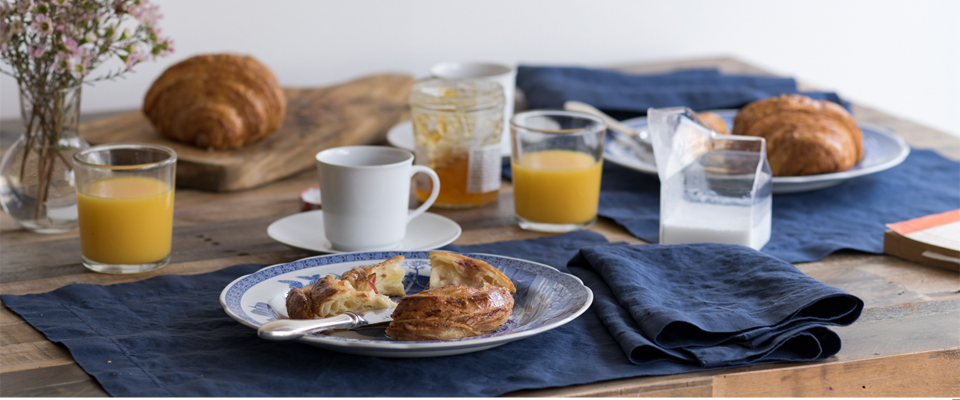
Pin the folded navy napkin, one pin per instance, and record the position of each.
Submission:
(624, 95)
(712, 305)
(809, 226)
(168, 336)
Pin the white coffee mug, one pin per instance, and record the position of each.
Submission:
(505, 75)
(366, 196)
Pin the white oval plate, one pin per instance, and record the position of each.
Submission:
(545, 299)
(304, 230)
(882, 149)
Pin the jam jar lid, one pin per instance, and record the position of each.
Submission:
(456, 95)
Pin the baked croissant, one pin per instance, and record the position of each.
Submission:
(714, 121)
(451, 269)
(451, 312)
(804, 136)
(216, 101)
(360, 289)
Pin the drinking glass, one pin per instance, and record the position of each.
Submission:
(556, 160)
(125, 204)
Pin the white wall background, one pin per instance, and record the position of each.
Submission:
(897, 55)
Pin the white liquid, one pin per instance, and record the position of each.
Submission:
(712, 223)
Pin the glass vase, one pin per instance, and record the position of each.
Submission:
(37, 185)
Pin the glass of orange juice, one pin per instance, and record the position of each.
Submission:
(125, 205)
(556, 160)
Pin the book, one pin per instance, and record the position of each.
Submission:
(932, 240)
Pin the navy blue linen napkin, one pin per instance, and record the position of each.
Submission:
(624, 95)
(168, 336)
(809, 226)
(712, 304)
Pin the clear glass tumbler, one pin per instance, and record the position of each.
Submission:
(125, 204)
(556, 160)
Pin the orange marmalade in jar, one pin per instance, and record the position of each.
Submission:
(457, 125)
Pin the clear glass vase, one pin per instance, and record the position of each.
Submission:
(37, 185)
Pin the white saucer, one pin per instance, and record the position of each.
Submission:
(304, 230)
(401, 135)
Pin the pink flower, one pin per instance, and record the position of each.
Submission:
(80, 70)
(42, 8)
(148, 14)
(71, 45)
(61, 3)
(23, 6)
(42, 24)
(37, 50)
(16, 27)
(64, 61)
(134, 56)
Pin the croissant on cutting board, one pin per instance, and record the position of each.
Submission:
(216, 101)
(804, 136)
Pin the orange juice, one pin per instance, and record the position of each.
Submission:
(126, 220)
(557, 187)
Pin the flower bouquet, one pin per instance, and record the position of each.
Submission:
(50, 47)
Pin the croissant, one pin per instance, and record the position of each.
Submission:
(455, 269)
(216, 101)
(714, 121)
(451, 312)
(359, 289)
(804, 136)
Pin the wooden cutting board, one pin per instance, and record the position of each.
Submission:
(357, 112)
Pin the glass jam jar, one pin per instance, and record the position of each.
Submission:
(457, 125)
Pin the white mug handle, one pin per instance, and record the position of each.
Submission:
(433, 193)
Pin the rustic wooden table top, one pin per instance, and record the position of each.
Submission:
(906, 343)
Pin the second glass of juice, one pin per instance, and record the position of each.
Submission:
(125, 204)
(557, 160)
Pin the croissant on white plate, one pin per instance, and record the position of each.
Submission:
(804, 136)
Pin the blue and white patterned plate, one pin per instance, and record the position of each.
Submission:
(882, 149)
(545, 299)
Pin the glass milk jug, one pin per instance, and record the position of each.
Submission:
(713, 188)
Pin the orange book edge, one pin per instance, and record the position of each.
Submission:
(927, 222)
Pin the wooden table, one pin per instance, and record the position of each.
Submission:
(906, 343)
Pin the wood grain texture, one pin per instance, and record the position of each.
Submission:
(357, 112)
(905, 343)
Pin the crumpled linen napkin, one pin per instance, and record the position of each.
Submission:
(712, 305)
(624, 95)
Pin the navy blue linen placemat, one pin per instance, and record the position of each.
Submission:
(809, 226)
(625, 95)
(168, 336)
(712, 304)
